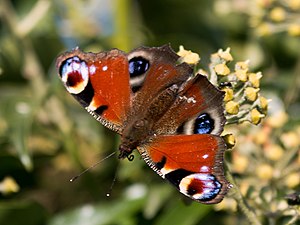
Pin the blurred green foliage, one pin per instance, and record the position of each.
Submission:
(46, 137)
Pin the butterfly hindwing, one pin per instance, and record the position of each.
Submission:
(192, 163)
(100, 82)
(198, 109)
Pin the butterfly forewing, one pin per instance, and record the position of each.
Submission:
(163, 72)
(100, 82)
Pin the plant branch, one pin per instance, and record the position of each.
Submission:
(252, 218)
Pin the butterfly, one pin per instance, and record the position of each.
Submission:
(172, 117)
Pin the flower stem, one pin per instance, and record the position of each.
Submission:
(252, 218)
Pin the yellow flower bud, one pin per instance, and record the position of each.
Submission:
(202, 72)
(277, 120)
(232, 107)
(242, 75)
(229, 140)
(228, 204)
(244, 187)
(264, 3)
(264, 29)
(222, 69)
(182, 52)
(188, 57)
(251, 93)
(240, 163)
(294, 4)
(263, 103)
(277, 14)
(228, 94)
(294, 29)
(256, 116)
(290, 139)
(8, 186)
(261, 136)
(292, 180)
(243, 65)
(254, 78)
(264, 171)
(214, 58)
(273, 152)
(225, 54)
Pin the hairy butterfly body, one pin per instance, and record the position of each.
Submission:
(173, 118)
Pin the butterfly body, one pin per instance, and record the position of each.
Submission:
(141, 127)
(173, 118)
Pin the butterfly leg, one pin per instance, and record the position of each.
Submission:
(125, 152)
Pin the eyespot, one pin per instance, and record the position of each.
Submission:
(74, 74)
(204, 124)
(201, 186)
(138, 66)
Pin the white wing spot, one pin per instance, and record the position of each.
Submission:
(204, 169)
(188, 100)
(76, 66)
(84, 71)
(104, 68)
(205, 156)
(92, 69)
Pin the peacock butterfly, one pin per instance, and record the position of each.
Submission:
(172, 117)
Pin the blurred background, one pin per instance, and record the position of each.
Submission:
(46, 137)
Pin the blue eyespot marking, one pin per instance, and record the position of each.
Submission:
(204, 187)
(204, 124)
(138, 66)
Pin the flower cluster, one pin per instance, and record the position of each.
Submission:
(265, 16)
(243, 101)
(276, 16)
(265, 164)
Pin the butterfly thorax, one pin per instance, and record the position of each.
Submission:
(133, 135)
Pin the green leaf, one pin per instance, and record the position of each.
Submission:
(120, 212)
(181, 214)
(18, 212)
(21, 120)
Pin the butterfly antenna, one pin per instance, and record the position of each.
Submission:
(91, 167)
(114, 180)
